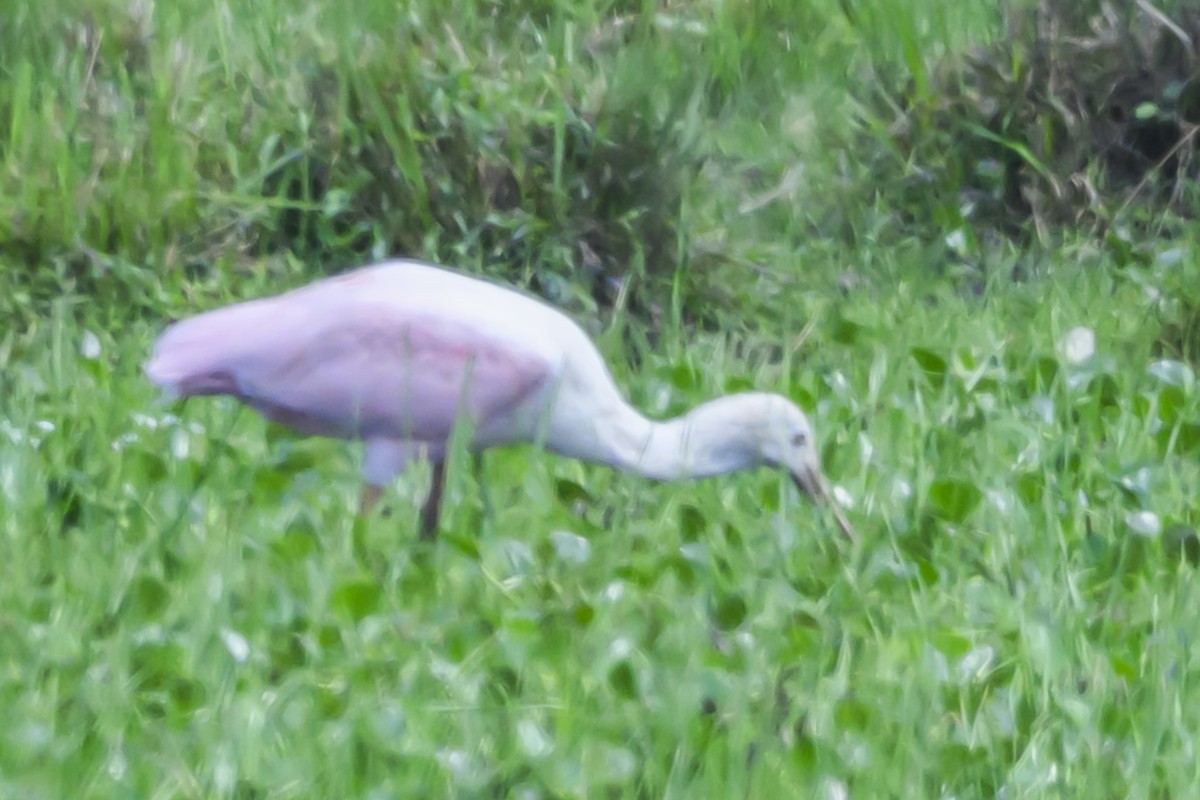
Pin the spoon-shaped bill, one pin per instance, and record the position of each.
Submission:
(811, 482)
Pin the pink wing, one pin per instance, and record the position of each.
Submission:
(348, 369)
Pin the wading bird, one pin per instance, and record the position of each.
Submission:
(397, 353)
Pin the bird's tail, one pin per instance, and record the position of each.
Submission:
(196, 356)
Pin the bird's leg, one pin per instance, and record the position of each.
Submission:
(369, 497)
(429, 512)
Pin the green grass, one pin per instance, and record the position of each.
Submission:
(189, 608)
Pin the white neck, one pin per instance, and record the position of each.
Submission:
(712, 439)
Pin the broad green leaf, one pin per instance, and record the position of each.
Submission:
(931, 363)
(356, 597)
(845, 331)
(297, 543)
(623, 680)
(1182, 439)
(685, 377)
(146, 598)
(570, 492)
(954, 499)
(692, 523)
(730, 612)
(1181, 542)
(1171, 400)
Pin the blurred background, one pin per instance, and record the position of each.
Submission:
(960, 234)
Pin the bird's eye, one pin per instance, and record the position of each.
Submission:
(799, 439)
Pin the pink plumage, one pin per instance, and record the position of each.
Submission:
(340, 358)
(399, 353)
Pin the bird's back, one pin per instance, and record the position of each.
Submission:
(488, 309)
(382, 350)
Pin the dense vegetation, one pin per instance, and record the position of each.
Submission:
(921, 220)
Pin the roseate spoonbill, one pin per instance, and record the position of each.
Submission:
(396, 353)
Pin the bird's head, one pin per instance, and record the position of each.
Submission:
(787, 441)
